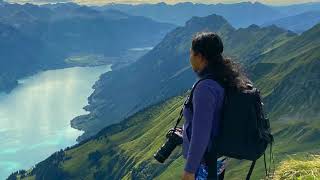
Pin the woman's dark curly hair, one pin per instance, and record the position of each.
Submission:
(227, 72)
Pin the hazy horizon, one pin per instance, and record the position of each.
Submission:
(103, 2)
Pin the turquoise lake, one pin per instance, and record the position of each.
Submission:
(35, 116)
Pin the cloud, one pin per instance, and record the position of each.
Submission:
(100, 2)
(38, 1)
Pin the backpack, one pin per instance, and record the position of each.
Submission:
(243, 126)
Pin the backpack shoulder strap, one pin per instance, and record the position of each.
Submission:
(189, 99)
(211, 157)
(251, 170)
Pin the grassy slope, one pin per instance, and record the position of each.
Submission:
(297, 77)
(299, 167)
(127, 149)
(124, 149)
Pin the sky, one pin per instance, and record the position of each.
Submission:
(101, 2)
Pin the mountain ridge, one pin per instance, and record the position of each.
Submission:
(298, 23)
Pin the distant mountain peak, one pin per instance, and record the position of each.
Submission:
(30, 5)
(86, 10)
(246, 2)
(8, 30)
(317, 26)
(66, 5)
(184, 3)
(23, 15)
(314, 31)
(214, 19)
(258, 3)
(253, 26)
(250, 3)
(162, 4)
(115, 11)
(276, 28)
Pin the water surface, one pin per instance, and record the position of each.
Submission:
(35, 116)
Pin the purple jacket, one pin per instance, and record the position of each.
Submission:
(201, 124)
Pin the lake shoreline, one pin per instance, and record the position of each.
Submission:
(40, 123)
(13, 83)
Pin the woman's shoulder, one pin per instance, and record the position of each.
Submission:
(208, 88)
(209, 84)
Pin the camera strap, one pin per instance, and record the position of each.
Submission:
(179, 119)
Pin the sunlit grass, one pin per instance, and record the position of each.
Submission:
(306, 169)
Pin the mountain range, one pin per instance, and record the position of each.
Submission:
(288, 77)
(65, 30)
(36, 38)
(238, 14)
(241, 14)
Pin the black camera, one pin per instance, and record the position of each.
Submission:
(174, 138)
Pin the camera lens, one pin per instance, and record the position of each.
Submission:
(166, 149)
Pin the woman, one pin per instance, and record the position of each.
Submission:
(201, 122)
